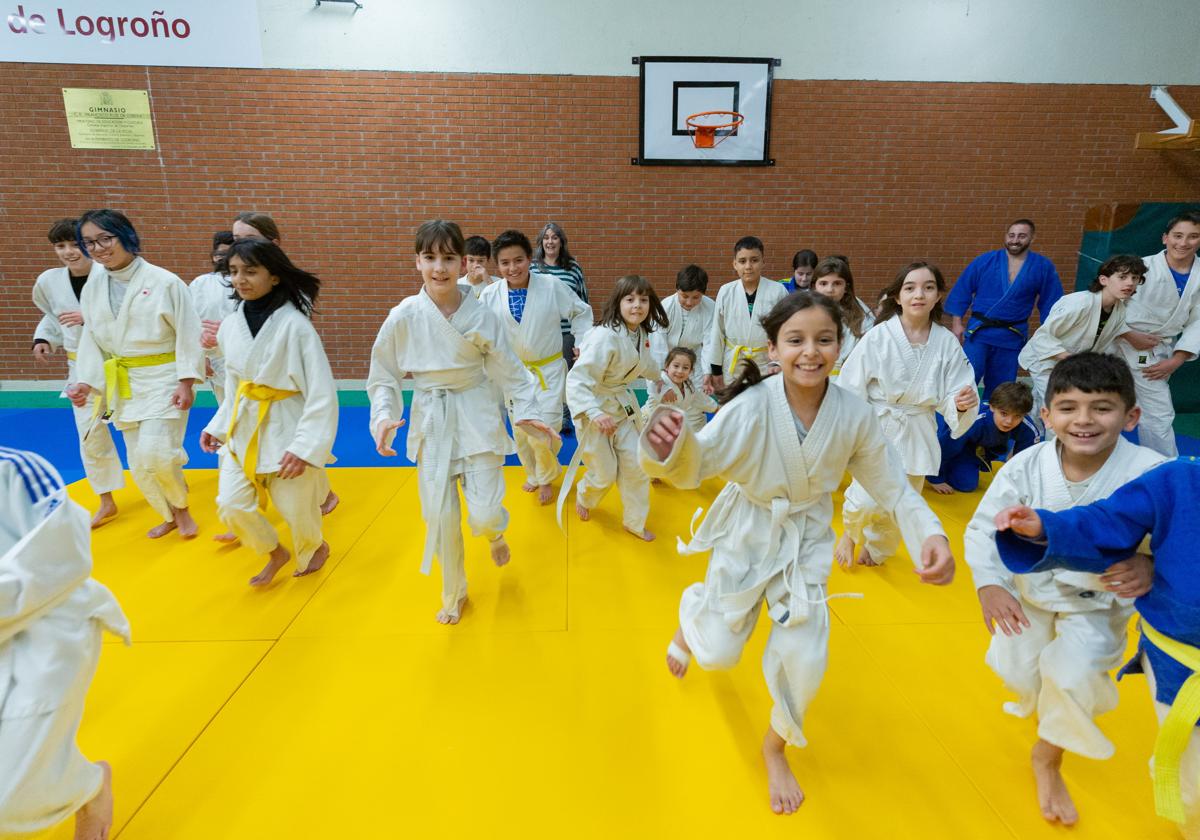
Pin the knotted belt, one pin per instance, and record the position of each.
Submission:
(264, 395)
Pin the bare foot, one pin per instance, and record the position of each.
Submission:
(444, 616)
(582, 512)
(227, 537)
(545, 494)
(865, 559)
(786, 796)
(331, 502)
(843, 552)
(656, 481)
(275, 561)
(943, 489)
(187, 526)
(676, 666)
(1052, 793)
(501, 553)
(315, 562)
(648, 536)
(93, 820)
(161, 530)
(529, 486)
(107, 512)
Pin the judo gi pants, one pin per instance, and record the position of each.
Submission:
(992, 365)
(156, 459)
(1059, 666)
(101, 464)
(793, 663)
(482, 480)
(46, 778)
(298, 501)
(539, 454)
(1189, 766)
(1156, 427)
(614, 460)
(869, 525)
(961, 472)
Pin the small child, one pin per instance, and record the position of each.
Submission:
(736, 334)
(909, 368)
(689, 320)
(803, 263)
(1062, 632)
(1003, 425)
(1081, 321)
(676, 389)
(454, 348)
(212, 296)
(477, 278)
(601, 399)
(783, 444)
(833, 278)
(280, 421)
(530, 307)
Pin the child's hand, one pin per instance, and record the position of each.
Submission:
(605, 425)
(78, 393)
(384, 431)
(1141, 340)
(208, 334)
(713, 383)
(209, 443)
(967, 398)
(183, 396)
(1001, 609)
(539, 426)
(1130, 578)
(291, 466)
(937, 563)
(663, 434)
(1020, 519)
(74, 318)
(670, 396)
(42, 351)
(943, 489)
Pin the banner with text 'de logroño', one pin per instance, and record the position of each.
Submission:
(169, 33)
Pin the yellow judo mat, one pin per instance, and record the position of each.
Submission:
(333, 706)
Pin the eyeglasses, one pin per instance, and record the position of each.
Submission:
(103, 242)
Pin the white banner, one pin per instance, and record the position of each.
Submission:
(172, 33)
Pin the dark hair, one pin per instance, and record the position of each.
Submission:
(564, 255)
(852, 314)
(804, 257)
(478, 246)
(1115, 265)
(1013, 397)
(110, 221)
(62, 231)
(1092, 373)
(1186, 216)
(261, 222)
(889, 298)
(633, 284)
(692, 278)
(296, 285)
(687, 352)
(509, 239)
(773, 322)
(440, 236)
(1029, 222)
(748, 243)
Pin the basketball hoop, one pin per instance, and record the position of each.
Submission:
(704, 134)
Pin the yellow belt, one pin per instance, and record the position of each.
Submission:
(740, 350)
(536, 368)
(70, 355)
(265, 395)
(1177, 727)
(116, 373)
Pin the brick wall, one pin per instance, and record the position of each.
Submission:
(350, 163)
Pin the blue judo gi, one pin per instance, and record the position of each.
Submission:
(965, 457)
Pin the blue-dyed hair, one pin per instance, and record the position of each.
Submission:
(110, 221)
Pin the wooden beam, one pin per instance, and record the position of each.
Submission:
(1170, 141)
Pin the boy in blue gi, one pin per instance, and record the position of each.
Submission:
(999, 289)
(1003, 425)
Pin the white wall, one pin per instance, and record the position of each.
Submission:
(1054, 41)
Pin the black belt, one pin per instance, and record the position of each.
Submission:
(992, 323)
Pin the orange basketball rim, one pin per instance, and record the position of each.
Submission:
(704, 134)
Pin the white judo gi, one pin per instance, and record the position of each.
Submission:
(906, 384)
(455, 432)
(54, 295)
(281, 387)
(737, 333)
(212, 298)
(1059, 665)
(52, 615)
(769, 530)
(685, 328)
(142, 348)
(610, 360)
(537, 341)
(689, 399)
(1160, 310)
(1072, 327)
